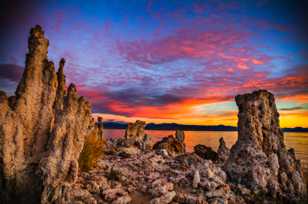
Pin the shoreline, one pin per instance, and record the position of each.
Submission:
(283, 129)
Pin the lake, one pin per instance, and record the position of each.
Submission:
(296, 140)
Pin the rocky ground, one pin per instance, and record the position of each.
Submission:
(156, 177)
(153, 177)
(257, 169)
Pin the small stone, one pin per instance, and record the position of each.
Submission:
(196, 179)
(114, 193)
(93, 187)
(122, 200)
(164, 199)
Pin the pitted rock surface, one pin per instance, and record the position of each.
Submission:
(259, 159)
(135, 130)
(42, 130)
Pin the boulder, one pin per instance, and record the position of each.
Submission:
(205, 152)
(42, 130)
(171, 145)
(259, 159)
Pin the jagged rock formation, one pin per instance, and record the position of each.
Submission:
(134, 139)
(223, 151)
(171, 145)
(259, 160)
(42, 130)
(100, 128)
(135, 131)
(180, 135)
(134, 135)
(205, 152)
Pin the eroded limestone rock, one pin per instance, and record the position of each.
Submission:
(135, 131)
(205, 152)
(134, 136)
(223, 151)
(259, 159)
(196, 179)
(42, 130)
(171, 145)
(180, 135)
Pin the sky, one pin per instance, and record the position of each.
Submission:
(168, 61)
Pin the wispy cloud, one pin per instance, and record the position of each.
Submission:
(228, 48)
(292, 108)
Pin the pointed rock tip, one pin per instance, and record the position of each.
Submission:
(37, 41)
(2, 93)
(72, 88)
(62, 62)
(49, 63)
(3, 96)
(61, 67)
(37, 30)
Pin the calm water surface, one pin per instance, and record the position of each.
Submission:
(298, 141)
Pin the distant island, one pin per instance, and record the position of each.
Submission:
(175, 126)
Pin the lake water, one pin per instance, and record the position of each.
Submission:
(298, 141)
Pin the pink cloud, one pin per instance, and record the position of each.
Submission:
(227, 46)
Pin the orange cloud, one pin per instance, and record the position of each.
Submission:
(257, 62)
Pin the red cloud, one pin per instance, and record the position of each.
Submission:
(218, 90)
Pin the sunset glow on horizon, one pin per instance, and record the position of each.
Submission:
(168, 61)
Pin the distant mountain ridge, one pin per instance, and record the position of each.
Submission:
(175, 126)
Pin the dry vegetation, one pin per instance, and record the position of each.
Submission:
(92, 150)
